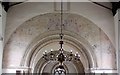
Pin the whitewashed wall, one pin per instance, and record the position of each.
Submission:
(99, 15)
(17, 15)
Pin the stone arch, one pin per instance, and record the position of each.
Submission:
(51, 36)
(40, 69)
(79, 31)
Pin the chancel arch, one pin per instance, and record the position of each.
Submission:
(49, 67)
(52, 42)
(41, 33)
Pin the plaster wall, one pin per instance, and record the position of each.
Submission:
(22, 28)
(99, 15)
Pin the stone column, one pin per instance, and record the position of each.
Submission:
(118, 41)
(1, 49)
(2, 31)
(117, 35)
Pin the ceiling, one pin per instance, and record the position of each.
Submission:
(112, 5)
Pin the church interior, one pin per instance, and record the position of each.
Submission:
(59, 37)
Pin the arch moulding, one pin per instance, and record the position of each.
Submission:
(52, 36)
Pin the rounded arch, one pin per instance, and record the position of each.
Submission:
(48, 37)
(80, 37)
(42, 65)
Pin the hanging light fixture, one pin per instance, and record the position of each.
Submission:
(61, 55)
